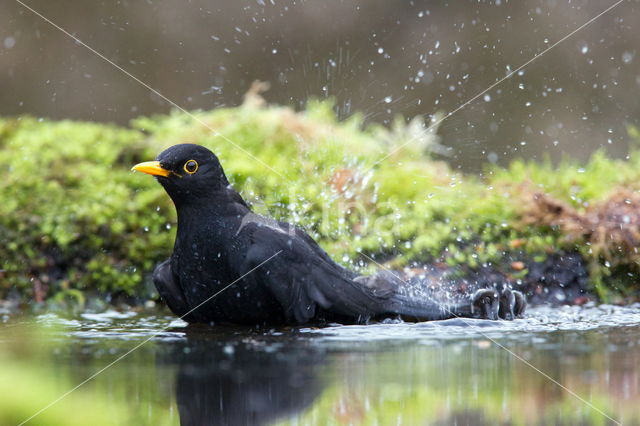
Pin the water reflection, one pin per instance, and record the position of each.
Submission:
(396, 373)
(243, 383)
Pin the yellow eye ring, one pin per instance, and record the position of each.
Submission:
(191, 166)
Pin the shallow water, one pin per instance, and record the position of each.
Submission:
(446, 372)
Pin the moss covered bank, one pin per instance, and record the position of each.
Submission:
(75, 222)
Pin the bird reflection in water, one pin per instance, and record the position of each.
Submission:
(243, 379)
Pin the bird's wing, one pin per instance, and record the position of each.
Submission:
(315, 247)
(170, 291)
(301, 279)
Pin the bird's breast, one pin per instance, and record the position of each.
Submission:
(209, 271)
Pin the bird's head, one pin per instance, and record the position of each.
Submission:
(187, 172)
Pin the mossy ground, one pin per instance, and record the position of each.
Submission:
(75, 220)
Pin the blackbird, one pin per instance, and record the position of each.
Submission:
(230, 265)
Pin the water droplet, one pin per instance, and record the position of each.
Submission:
(9, 42)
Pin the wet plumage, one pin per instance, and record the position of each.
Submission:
(278, 273)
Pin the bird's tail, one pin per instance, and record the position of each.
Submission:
(483, 305)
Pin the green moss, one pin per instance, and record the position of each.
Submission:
(71, 212)
(73, 216)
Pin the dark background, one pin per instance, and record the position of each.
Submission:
(378, 57)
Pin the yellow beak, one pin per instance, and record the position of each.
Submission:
(152, 168)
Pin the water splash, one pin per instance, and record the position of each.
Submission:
(542, 319)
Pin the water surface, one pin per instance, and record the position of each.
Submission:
(446, 372)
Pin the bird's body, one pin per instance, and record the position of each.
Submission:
(231, 265)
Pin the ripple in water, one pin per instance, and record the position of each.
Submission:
(542, 319)
(537, 320)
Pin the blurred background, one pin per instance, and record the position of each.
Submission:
(381, 58)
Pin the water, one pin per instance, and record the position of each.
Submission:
(454, 371)
(375, 57)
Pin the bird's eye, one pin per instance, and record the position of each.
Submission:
(191, 166)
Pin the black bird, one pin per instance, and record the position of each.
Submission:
(279, 273)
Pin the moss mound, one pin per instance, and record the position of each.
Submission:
(73, 218)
